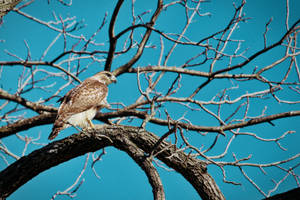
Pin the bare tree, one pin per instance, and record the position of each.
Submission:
(233, 92)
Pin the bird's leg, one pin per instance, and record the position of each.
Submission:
(90, 123)
(93, 128)
(88, 127)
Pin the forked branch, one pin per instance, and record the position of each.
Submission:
(122, 69)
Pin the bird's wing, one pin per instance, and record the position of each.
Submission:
(90, 93)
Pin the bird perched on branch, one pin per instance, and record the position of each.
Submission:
(80, 105)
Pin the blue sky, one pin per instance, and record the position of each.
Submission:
(121, 178)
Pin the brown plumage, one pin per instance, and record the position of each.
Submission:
(80, 105)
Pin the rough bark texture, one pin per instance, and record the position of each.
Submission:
(134, 141)
(7, 5)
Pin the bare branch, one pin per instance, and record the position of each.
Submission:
(112, 39)
(30, 63)
(142, 44)
(37, 107)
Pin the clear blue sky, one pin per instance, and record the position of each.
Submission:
(121, 178)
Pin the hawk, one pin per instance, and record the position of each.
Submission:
(80, 105)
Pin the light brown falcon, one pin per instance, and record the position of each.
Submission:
(80, 105)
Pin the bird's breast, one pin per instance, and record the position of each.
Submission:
(80, 119)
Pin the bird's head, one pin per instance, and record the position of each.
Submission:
(106, 77)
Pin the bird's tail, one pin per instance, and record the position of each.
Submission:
(54, 133)
(57, 127)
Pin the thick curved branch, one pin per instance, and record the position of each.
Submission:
(142, 44)
(27, 167)
(146, 164)
(25, 124)
(28, 104)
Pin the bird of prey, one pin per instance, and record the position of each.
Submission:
(80, 105)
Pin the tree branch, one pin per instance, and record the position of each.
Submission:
(142, 44)
(121, 137)
(112, 39)
(146, 164)
(28, 104)
(252, 57)
(25, 124)
(30, 63)
(259, 52)
(189, 72)
(48, 118)
(289, 195)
